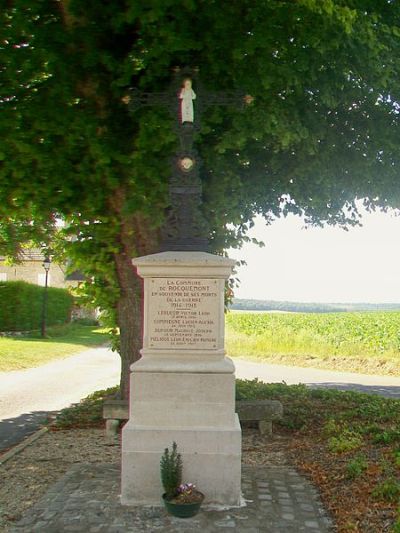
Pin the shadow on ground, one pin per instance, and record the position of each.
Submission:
(14, 430)
(387, 391)
(83, 335)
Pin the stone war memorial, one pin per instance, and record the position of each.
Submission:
(183, 387)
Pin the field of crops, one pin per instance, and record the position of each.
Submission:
(365, 342)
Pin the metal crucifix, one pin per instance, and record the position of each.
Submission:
(185, 228)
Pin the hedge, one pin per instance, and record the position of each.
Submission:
(21, 306)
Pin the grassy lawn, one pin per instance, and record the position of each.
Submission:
(348, 443)
(17, 353)
(366, 342)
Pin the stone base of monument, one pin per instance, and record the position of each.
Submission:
(182, 389)
(211, 459)
(195, 410)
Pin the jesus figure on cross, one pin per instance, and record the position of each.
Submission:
(187, 95)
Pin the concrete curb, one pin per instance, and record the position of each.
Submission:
(17, 449)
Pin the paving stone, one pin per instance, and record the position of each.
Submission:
(86, 499)
(311, 523)
(265, 505)
(288, 516)
(226, 523)
(287, 509)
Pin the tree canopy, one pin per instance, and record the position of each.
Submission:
(322, 131)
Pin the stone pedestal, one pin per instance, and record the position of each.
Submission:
(183, 387)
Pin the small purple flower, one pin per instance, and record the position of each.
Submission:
(186, 488)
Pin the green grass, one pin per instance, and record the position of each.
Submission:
(17, 353)
(366, 342)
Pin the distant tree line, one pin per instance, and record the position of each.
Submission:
(309, 307)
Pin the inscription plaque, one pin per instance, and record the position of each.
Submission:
(183, 313)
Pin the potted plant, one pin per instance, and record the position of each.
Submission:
(180, 499)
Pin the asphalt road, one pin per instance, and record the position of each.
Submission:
(384, 385)
(28, 397)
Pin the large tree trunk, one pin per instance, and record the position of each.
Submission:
(129, 316)
(137, 235)
(137, 239)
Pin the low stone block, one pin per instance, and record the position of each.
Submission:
(113, 412)
(112, 426)
(262, 411)
(117, 409)
(259, 409)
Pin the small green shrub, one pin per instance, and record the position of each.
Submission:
(396, 458)
(331, 427)
(388, 490)
(341, 438)
(357, 466)
(171, 471)
(387, 436)
(347, 441)
(396, 526)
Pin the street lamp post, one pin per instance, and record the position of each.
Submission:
(46, 266)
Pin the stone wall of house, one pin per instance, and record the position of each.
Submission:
(33, 272)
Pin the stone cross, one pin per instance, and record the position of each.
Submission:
(182, 388)
(185, 228)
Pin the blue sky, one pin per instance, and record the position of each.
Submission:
(323, 264)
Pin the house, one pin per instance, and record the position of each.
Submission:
(30, 269)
